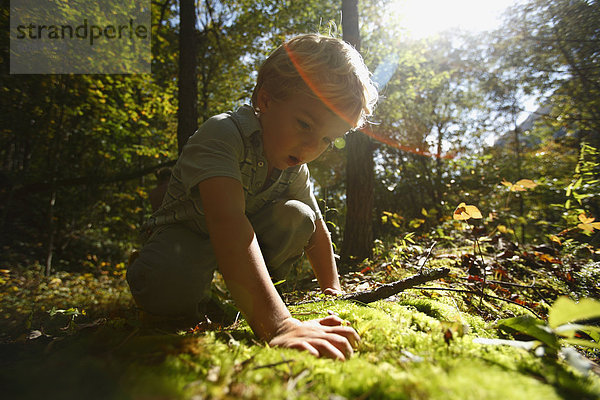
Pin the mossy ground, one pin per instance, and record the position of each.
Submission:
(416, 345)
(406, 353)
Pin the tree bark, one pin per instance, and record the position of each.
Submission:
(187, 113)
(358, 232)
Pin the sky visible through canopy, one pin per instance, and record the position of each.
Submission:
(423, 18)
(427, 18)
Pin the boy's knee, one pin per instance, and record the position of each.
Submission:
(296, 216)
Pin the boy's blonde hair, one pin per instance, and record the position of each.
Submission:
(322, 67)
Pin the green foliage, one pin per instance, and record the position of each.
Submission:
(82, 130)
(559, 331)
(585, 179)
(30, 300)
(76, 149)
(552, 43)
(69, 141)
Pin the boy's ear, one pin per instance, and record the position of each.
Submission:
(264, 99)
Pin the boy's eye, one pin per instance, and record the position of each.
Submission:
(303, 124)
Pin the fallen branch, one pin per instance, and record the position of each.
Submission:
(390, 289)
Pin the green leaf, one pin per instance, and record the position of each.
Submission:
(532, 327)
(565, 310)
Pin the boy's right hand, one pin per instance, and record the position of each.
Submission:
(324, 337)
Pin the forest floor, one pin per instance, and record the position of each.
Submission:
(79, 335)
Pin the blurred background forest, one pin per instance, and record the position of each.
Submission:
(459, 113)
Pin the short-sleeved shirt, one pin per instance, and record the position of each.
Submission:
(228, 145)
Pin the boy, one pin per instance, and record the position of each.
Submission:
(240, 198)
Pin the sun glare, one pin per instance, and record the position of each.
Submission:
(424, 18)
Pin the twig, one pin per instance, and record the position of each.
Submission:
(532, 286)
(426, 257)
(476, 293)
(476, 246)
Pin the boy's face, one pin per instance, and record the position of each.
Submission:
(297, 130)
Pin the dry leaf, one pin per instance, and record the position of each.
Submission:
(520, 186)
(463, 212)
(587, 223)
(526, 183)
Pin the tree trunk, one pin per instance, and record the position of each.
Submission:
(187, 113)
(518, 161)
(51, 234)
(358, 232)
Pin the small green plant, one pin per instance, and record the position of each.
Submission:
(393, 218)
(64, 320)
(566, 326)
(583, 186)
(465, 212)
(585, 176)
(519, 186)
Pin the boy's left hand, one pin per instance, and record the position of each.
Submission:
(323, 337)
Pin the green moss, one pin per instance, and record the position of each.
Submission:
(403, 355)
(406, 353)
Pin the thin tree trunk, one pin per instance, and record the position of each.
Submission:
(358, 232)
(187, 114)
(518, 160)
(53, 165)
(51, 228)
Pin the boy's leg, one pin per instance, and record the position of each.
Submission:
(172, 274)
(283, 230)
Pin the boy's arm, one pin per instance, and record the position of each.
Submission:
(320, 254)
(241, 263)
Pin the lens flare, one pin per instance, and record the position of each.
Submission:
(385, 73)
